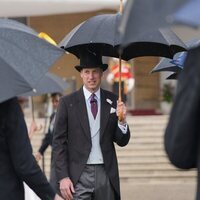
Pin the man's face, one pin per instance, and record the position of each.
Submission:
(55, 101)
(91, 78)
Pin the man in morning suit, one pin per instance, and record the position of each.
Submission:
(86, 128)
(47, 140)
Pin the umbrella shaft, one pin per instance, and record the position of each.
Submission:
(120, 77)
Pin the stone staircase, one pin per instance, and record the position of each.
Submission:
(143, 159)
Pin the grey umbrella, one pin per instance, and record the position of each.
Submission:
(167, 64)
(49, 83)
(188, 14)
(24, 58)
(143, 16)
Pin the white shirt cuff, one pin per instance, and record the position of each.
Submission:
(123, 127)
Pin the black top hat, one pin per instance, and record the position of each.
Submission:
(89, 59)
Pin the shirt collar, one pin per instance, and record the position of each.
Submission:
(87, 93)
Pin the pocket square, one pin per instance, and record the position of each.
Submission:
(112, 110)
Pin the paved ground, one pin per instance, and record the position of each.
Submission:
(157, 191)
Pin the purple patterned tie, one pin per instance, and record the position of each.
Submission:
(94, 106)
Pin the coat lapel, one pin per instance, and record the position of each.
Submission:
(82, 113)
(105, 112)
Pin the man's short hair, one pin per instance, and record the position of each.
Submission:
(55, 94)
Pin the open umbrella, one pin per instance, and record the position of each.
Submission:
(173, 65)
(141, 17)
(100, 33)
(188, 14)
(49, 83)
(24, 58)
(176, 64)
(166, 65)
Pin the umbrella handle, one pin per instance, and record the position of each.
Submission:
(32, 109)
(120, 115)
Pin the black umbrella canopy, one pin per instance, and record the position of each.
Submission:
(142, 16)
(166, 64)
(162, 42)
(173, 76)
(24, 58)
(100, 33)
(49, 83)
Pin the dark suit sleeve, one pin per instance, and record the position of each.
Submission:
(47, 140)
(120, 138)
(181, 136)
(21, 153)
(60, 153)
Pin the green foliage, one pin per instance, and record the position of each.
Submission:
(168, 93)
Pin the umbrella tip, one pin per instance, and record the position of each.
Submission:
(46, 37)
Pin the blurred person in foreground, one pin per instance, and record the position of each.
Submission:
(86, 128)
(182, 140)
(17, 162)
(47, 140)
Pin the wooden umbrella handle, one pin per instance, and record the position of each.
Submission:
(32, 109)
(120, 87)
(120, 115)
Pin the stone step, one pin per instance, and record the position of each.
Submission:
(157, 180)
(158, 174)
(144, 153)
(142, 167)
(146, 140)
(147, 160)
(147, 127)
(138, 147)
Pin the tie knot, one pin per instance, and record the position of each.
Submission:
(92, 100)
(94, 106)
